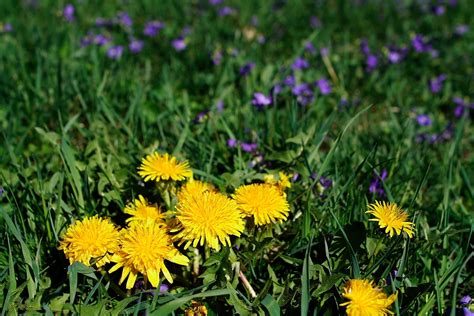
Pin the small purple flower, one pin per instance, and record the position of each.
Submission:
(68, 12)
(465, 300)
(295, 177)
(260, 100)
(364, 47)
(135, 46)
(310, 48)
(6, 28)
(101, 39)
(324, 86)
(304, 94)
(461, 29)
(186, 31)
(100, 22)
(225, 11)
(254, 20)
(217, 57)
(439, 10)
(231, 143)
(261, 39)
(152, 28)
(276, 89)
(115, 52)
(201, 117)
(371, 62)
(87, 40)
(246, 69)
(2, 190)
(461, 106)
(164, 287)
(124, 19)
(314, 22)
(436, 83)
(289, 80)
(179, 44)
(467, 312)
(419, 44)
(249, 147)
(376, 186)
(324, 51)
(299, 64)
(215, 2)
(325, 182)
(423, 120)
(220, 106)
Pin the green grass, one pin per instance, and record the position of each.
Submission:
(75, 124)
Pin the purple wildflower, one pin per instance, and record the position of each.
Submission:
(179, 44)
(217, 57)
(225, 11)
(419, 44)
(310, 48)
(68, 12)
(465, 300)
(304, 94)
(324, 86)
(254, 20)
(364, 47)
(324, 51)
(276, 89)
(201, 117)
(7, 28)
(325, 182)
(423, 120)
(396, 54)
(439, 10)
(220, 106)
(295, 177)
(124, 19)
(461, 29)
(261, 39)
(164, 287)
(135, 46)
(376, 186)
(436, 84)
(299, 64)
(115, 52)
(249, 147)
(215, 2)
(314, 22)
(186, 31)
(103, 22)
(152, 28)
(371, 62)
(87, 40)
(101, 39)
(231, 143)
(467, 312)
(289, 80)
(2, 190)
(260, 100)
(460, 107)
(246, 69)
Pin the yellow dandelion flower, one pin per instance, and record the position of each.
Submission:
(282, 183)
(144, 249)
(193, 187)
(264, 202)
(366, 299)
(92, 240)
(208, 218)
(392, 218)
(141, 212)
(163, 167)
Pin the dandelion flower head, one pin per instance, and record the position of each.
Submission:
(392, 218)
(163, 167)
(144, 249)
(141, 211)
(93, 239)
(208, 218)
(264, 202)
(366, 299)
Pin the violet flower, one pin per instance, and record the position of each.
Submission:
(225, 11)
(68, 13)
(260, 100)
(376, 186)
(124, 19)
(215, 2)
(310, 48)
(364, 47)
(135, 46)
(436, 83)
(371, 62)
(439, 10)
(179, 44)
(304, 94)
(395, 54)
(465, 300)
(7, 28)
(220, 106)
(314, 22)
(201, 117)
(152, 28)
(246, 69)
(231, 143)
(115, 52)
(324, 86)
(217, 57)
(461, 29)
(324, 51)
(249, 147)
(299, 64)
(101, 39)
(423, 120)
(289, 80)
(2, 190)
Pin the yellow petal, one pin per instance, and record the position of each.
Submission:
(131, 280)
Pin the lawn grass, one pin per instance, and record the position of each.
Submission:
(75, 125)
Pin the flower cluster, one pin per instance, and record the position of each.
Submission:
(197, 214)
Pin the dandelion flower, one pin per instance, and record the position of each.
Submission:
(144, 249)
(282, 183)
(89, 240)
(264, 202)
(366, 300)
(193, 187)
(163, 167)
(208, 218)
(141, 212)
(391, 217)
